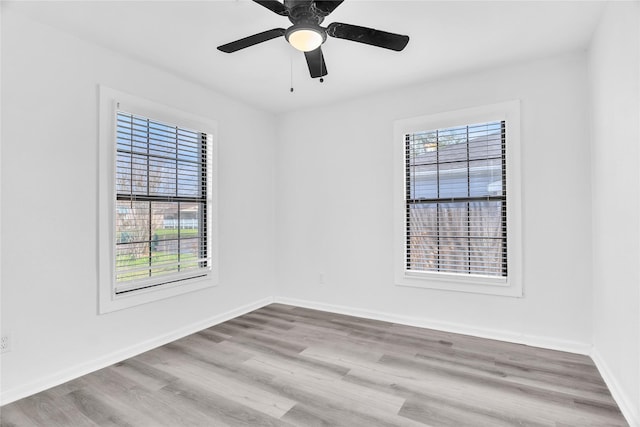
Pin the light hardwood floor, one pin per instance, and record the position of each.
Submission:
(283, 365)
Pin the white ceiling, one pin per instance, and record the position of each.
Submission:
(447, 37)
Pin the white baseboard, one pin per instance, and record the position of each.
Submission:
(502, 335)
(69, 374)
(624, 403)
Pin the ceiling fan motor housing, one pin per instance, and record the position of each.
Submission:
(304, 12)
(297, 9)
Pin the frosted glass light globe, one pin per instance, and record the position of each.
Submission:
(305, 40)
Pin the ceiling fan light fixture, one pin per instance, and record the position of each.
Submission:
(305, 39)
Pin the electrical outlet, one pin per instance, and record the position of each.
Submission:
(5, 344)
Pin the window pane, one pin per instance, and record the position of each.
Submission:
(422, 148)
(423, 237)
(189, 146)
(190, 219)
(486, 219)
(123, 173)
(453, 180)
(485, 177)
(453, 243)
(423, 255)
(424, 182)
(131, 174)
(453, 220)
(132, 222)
(487, 231)
(165, 215)
(485, 141)
(486, 257)
(162, 177)
(452, 145)
(162, 140)
(189, 179)
(164, 262)
(454, 255)
(132, 260)
(189, 253)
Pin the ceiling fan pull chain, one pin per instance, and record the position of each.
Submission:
(291, 70)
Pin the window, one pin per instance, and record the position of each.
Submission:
(459, 230)
(157, 184)
(456, 200)
(161, 203)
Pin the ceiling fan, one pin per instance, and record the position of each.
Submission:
(307, 35)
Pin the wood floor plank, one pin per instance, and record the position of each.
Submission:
(498, 377)
(534, 403)
(270, 321)
(446, 414)
(222, 411)
(290, 366)
(139, 406)
(478, 413)
(15, 416)
(95, 409)
(201, 348)
(44, 410)
(195, 373)
(298, 366)
(326, 387)
(143, 374)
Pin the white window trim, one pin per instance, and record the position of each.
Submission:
(511, 285)
(109, 99)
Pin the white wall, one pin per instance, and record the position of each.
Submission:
(317, 186)
(334, 208)
(614, 83)
(49, 201)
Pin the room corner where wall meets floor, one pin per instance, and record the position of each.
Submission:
(287, 365)
(10, 395)
(457, 328)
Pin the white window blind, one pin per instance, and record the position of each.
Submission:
(162, 184)
(456, 201)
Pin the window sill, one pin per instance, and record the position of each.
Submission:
(499, 286)
(113, 302)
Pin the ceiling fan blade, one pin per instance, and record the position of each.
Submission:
(366, 35)
(315, 61)
(325, 7)
(274, 6)
(251, 40)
